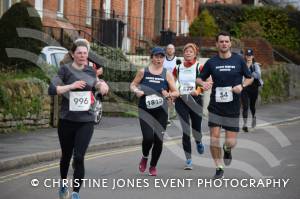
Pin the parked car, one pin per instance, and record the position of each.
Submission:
(53, 55)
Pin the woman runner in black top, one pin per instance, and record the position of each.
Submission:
(74, 82)
(153, 85)
(250, 93)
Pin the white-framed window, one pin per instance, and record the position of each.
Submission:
(60, 8)
(89, 12)
(107, 8)
(39, 7)
(6, 4)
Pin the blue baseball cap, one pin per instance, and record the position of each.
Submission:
(249, 52)
(158, 50)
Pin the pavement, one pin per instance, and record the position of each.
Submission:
(22, 149)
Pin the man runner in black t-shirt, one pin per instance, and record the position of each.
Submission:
(227, 70)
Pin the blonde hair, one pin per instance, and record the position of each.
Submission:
(193, 46)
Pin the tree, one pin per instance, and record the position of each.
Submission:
(20, 15)
(204, 25)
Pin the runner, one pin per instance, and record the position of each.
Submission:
(227, 70)
(153, 85)
(169, 64)
(189, 104)
(250, 93)
(74, 82)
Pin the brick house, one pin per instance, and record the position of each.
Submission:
(126, 23)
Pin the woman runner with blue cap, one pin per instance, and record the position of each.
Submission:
(153, 85)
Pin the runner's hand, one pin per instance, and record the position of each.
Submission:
(165, 93)
(78, 85)
(207, 85)
(194, 93)
(139, 93)
(237, 89)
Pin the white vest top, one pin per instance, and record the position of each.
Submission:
(169, 64)
(187, 78)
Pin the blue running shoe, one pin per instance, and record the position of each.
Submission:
(63, 193)
(200, 148)
(75, 195)
(188, 164)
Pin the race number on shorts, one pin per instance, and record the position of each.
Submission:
(80, 101)
(224, 94)
(186, 88)
(153, 101)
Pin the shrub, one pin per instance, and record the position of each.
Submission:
(276, 80)
(18, 17)
(204, 25)
(226, 16)
(280, 26)
(22, 96)
(251, 29)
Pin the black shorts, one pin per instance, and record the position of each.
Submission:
(230, 123)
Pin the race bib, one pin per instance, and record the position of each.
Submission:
(80, 101)
(186, 88)
(224, 94)
(153, 101)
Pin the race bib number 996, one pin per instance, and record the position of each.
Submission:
(153, 101)
(80, 101)
(224, 94)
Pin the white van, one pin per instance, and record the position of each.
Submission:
(53, 55)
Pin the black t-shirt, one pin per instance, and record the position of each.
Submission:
(225, 73)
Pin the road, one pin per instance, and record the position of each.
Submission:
(269, 154)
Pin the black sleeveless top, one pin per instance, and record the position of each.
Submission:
(153, 84)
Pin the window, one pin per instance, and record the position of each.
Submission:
(107, 8)
(60, 8)
(6, 4)
(89, 12)
(39, 7)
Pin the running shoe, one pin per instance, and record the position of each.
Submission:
(169, 123)
(63, 193)
(253, 122)
(245, 129)
(188, 164)
(200, 148)
(227, 157)
(143, 164)
(219, 173)
(152, 171)
(75, 195)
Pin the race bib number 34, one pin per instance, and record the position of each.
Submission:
(153, 101)
(224, 94)
(80, 101)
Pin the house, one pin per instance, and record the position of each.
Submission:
(125, 24)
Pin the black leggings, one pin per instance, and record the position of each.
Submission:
(153, 124)
(249, 96)
(74, 137)
(188, 107)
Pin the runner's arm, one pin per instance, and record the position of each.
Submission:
(171, 82)
(135, 83)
